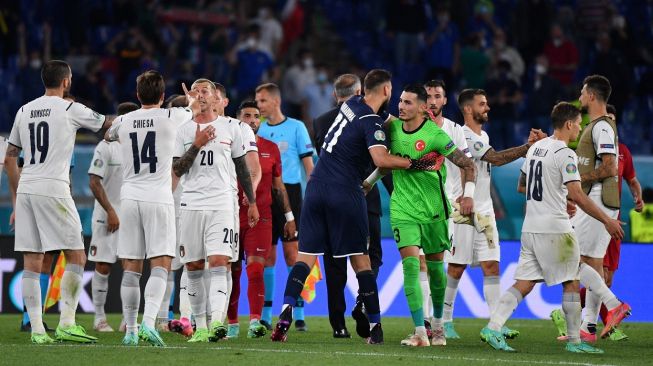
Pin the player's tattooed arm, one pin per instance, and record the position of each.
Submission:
(465, 164)
(182, 165)
(608, 168)
(521, 185)
(280, 194)
(11, 166)
(245, 179)
(498, 158)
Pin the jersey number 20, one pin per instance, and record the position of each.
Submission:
(534, 188)
(147, 154)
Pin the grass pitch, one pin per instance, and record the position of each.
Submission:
(535, 346)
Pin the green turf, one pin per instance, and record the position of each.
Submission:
(536, 346)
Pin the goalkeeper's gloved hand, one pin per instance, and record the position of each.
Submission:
(429, 162)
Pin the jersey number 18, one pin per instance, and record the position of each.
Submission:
(534, 188)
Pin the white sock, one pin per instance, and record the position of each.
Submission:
(71, 287)
(491, 291)
(154, 291)
(31, 288)
(420, 331)
(449, 298)
(219, 292)
(505, 307)
(184, 302)
(165, 303)
(99, 289)
(230, 285)
(572, 310)
(597, 292)
(130, 295)
(197, 297)
(426, 295)
(207, 286)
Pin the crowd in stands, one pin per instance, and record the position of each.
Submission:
(527, 54)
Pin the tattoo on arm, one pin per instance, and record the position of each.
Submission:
(466, 164)
(522, 179)
(13, 151)
(498, 158)
(245, 180)
(280, 194)
(608, 168)
(182, 165)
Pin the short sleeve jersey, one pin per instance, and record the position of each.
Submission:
(419, 196)
(603, 139)
(548, 167)
(294, 143)
(210, 183)
(478, 147)
(106, 164)
(453, 185)
(45, 130)
(344, 158)
(626, 167)
(147, 138)
(270, 160)
(249, 139)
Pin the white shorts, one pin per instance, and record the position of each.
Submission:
(176, 261)
(552, 258)
(593, 239)
(207, 233)
(471, 247)
(147, 230)
(104, 245)
(45, 224)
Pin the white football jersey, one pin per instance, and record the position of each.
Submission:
(106, 164)
(453, 184)
(147, 139)
(3, 151)
(211, 183)
(249, 138)
(549, 166)
(478, 146)
(45, 129)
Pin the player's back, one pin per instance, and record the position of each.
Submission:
(45, 129)
(345, 158)
(107, 165)
(147, 138)
(549, 165)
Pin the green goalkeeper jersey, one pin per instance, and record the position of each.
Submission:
(419, 196)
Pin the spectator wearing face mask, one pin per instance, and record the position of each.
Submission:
(253, 65)
(318, 96)
(543, 91)
(562, 55)
(300, 74)
(502, 51)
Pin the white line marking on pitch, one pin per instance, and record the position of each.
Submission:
(340, 353)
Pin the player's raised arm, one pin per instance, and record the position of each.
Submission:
(575, 192)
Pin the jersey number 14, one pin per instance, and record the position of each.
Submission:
(146, 154)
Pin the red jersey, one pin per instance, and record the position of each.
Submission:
(270, 160)
(625, 165)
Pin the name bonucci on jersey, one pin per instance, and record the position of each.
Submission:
(478, 147)
(211, 183)
(45, 129)
(549, 165)
(106, 164)
(147, 139)
(453, 185)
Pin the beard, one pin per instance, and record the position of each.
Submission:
(584, 109)
(481, 118)
(436, 111)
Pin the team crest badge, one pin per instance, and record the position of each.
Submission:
(379, 135)
(571, 168)
(93, 250)
(182, 251)
(420, 145)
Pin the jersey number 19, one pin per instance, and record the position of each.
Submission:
(39, 140)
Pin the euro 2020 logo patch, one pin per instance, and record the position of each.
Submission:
(571, 168)
(379, 135)
(98, 163)
(478, 146)
(420, 145)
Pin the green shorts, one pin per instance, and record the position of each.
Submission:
(432, 238)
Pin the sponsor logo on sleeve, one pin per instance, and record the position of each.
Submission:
(379, 135)
(607, 146)
(252, 143)
(449, 145)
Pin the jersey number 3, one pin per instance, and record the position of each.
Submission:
(534, 188)
(146, 154)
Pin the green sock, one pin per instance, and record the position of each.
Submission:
(438, 284)
(412, 289)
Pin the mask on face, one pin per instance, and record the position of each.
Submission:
(35, 63)
(557, 42)
(540, 69)
(321, 77)
(251, 42)
(308, 63)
